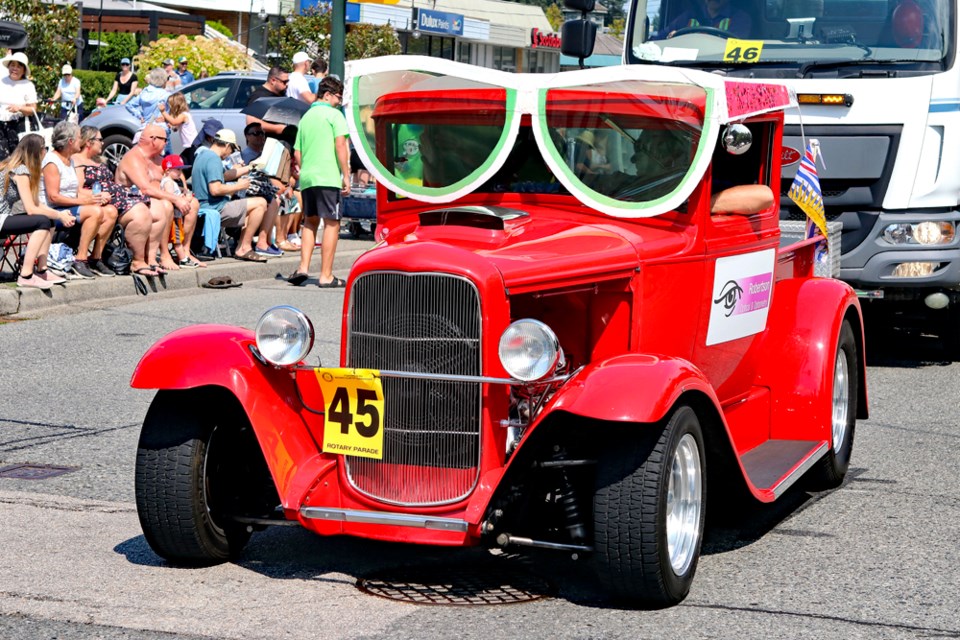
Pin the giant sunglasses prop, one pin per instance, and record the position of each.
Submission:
(430, 103)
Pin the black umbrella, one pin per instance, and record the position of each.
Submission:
(12, 35)
(277, 110)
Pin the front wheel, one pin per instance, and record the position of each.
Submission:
(649, 508)
(114, 148)
(186, 471)
(832, 468)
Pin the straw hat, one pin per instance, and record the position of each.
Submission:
(586, 137)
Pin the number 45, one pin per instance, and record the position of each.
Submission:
(340, 412)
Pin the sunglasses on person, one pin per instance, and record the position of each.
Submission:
(164, 138)
(257, 134)
(281, 81)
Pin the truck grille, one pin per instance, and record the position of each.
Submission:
(426, 323)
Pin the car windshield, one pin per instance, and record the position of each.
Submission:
(805, 34)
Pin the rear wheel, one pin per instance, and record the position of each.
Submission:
(187, 478)
(649, 508)
(115, 146)
(832, 468)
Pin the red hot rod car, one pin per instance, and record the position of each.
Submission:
(555, 343)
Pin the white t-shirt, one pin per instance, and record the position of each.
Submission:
(298, 84)
(69, 91)
(188, 131)
(68, 178)
(19, 92)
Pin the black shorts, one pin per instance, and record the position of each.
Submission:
(20, 224)
(321, 201)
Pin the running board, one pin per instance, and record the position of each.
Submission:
(774, 466)
(383, 517)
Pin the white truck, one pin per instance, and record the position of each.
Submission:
(879, 86)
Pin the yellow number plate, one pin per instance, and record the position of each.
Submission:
(353, 402)
(742, 50)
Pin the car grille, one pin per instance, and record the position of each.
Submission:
(425, 323)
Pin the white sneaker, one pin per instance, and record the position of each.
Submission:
(34, 281)
(293, 239)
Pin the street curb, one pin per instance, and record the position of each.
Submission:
(14, 300)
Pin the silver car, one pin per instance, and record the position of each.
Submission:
(220, 97)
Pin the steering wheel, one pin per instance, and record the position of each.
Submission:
(712, 31)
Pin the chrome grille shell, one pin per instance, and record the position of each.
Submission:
(424, 323)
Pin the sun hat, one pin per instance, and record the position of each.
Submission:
(173, 161)
(586, 137)
(20, 57)
(124, 60)
(300, 56)
(227, 136)
(67, 70)
(182, 59)
(168, 61)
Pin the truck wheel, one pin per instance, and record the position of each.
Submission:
(114, 148)
(832, 468)
(649, 508)
(355, 229)
(183, 481)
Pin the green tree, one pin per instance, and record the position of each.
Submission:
(617, 27)
(310, 32)
(51, 29)
(555, 16)
(222, 28)
(113, 48)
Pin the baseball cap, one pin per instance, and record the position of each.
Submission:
(173, 161)
(66, 70)
(168, 61)
(182, 59)
(300, 56)
(124, 60)
(227, 136)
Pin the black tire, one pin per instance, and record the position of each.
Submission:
(186, 469)
(355, 229)
(832, 468)
(115, 146)
(632, 512)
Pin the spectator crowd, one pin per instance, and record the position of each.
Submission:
(280, 191)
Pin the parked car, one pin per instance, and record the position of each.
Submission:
(526, 360)
(220, 97)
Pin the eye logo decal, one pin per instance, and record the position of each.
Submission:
(729, 296)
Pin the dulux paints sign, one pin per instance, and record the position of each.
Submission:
(439, 22)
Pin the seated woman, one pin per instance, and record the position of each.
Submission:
(61, 190)
(22, 213)
(132, 211)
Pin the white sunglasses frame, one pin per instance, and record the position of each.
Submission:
(726, 101)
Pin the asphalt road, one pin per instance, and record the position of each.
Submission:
(877, 558)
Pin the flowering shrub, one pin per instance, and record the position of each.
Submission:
(310, 32)
(203, 55)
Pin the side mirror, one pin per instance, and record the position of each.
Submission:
(737, 139)
(577, 38)
(583, 6)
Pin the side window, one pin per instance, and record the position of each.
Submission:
(209, 95)
(247, 87)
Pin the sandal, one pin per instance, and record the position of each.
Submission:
(336, 283)
(297, 278)
(250, 256)
(220, 282)
(189, 264)
(288, 246)
(145, 271)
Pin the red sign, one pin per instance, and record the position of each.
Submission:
(789, 156)
(539, 40)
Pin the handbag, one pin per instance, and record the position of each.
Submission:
(116, 254)
(73, 116)
(274, 160)
(46, 132)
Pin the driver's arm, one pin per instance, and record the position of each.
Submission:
(743, 198)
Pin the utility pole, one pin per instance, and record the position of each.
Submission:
(338, 36)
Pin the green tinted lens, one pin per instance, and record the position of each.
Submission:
(427, 134)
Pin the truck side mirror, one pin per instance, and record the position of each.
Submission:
(583, 6)
(577, 38)
(737, 139)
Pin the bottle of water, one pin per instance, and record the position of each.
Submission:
(97, 188)
(236, 159)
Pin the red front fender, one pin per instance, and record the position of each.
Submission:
(220, 356)
(630, 388)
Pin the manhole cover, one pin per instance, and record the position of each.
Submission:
(456, 585)
(34, 471)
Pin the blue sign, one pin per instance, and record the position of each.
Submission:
(439, 22)
(353, 12)
(353, 8)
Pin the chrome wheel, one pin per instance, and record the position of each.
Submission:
(841, 399)
(684, 502)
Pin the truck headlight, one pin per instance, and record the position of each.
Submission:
(529, 350)
(284, 336)
(925, 233)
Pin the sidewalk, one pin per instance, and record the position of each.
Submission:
(14, 300)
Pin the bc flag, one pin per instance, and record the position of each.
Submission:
(805, 191)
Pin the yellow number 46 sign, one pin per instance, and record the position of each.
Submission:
(353, 402)
(742, 50)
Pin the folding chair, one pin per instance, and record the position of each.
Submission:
(13, 247)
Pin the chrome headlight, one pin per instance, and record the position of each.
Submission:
(529, 350)
(284, 336)
(924, 233)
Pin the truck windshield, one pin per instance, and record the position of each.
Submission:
(806, 34)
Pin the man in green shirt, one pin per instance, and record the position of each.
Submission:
(321, 158)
